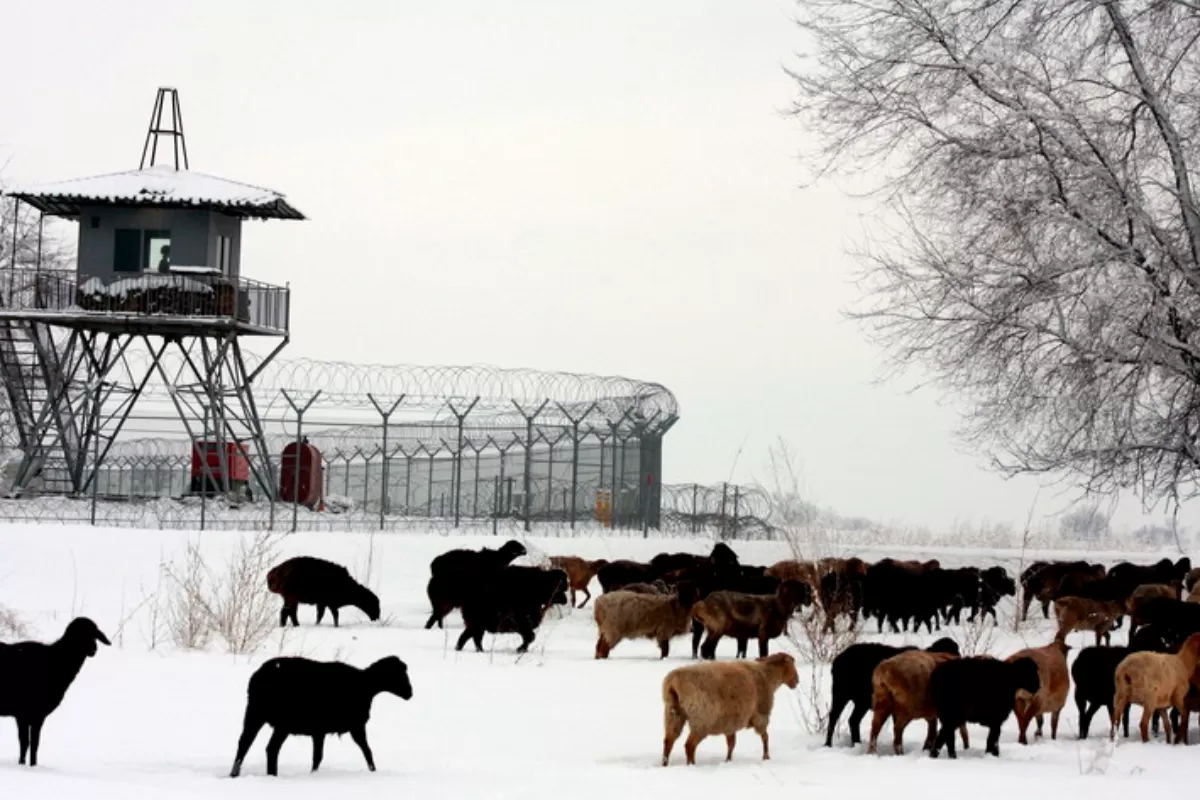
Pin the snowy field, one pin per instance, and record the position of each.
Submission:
(145, 719)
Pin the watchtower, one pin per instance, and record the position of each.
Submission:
(157, 295)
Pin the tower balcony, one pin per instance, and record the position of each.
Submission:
(185, 301)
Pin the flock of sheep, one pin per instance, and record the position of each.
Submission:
(713, 597)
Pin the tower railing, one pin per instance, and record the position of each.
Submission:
(200, 296)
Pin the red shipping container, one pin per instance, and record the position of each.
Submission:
(311, 475)
(236, 455)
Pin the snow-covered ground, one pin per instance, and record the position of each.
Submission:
(144, 719)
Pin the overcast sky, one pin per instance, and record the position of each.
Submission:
(596, 187)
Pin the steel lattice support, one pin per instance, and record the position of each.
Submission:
(92, 386)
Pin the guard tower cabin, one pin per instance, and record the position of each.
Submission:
(157, 303)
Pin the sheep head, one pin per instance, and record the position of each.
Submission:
(368, 601)
(512, 550)
(390, 675)
(945, 645)
(786, 666)
(82, 634)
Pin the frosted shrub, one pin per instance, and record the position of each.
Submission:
(232, 604)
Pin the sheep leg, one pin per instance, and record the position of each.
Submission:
(762, 647)
(1144, 726)
(839, 703)
(945, 737)
(882, 710)
(35, 738)
(462, 640)
(899, 723)
(1180, 724)
(1086, 712)
(856, 717)
(273, 747)
(1054, 724)
(962, 731)
(993, 741)
(359, 735)
(697, 634)
(602, 647)
(761, 729)
(587, 595)
(673, 723)
(709, 648)
(318, 750)
(1038, 734)
(572, 593)
(742, 643)
(1023, 720)
(320, 613)
(664, 647)
(23, 737)
(689, 747)
(334, 612)
(252, 724)
(730, 741)
(930, 735)
(527, 636)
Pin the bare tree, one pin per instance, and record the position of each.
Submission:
(1045, 262)
(31, 237)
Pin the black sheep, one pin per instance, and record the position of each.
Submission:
(37, 676)
(301, 697)
(1094, 671)
(616, 574)
(721, 555)
(851, 673)
(994, 583)
(315, 581)
(511, 600)
(981, 689)
(1176, 619)
(454, 573)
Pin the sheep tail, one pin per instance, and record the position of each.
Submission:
(672, 710)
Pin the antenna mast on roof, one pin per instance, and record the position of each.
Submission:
(175, 131)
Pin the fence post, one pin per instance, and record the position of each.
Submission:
(575, 423)
(695, 509)
(383, 493)
(496, 507)
(737, 494)
(296, 455)
(457, 478)
(724, 498)
(529, 418)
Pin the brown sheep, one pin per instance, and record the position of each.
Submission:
(631, 615)
(900, 690)
(1156, 682)
(1194, 595)
(746, 616)
(723, 698)
(1082, 614)
(1054, 684)
(658, 587)
(793, 570)
(580, 572)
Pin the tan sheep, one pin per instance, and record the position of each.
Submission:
(1156, 682)
(1055, 682)
(632, 615)
(900, 690)
(580, 572)
(723, 697)
(1083, 614)
(1194, 595)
